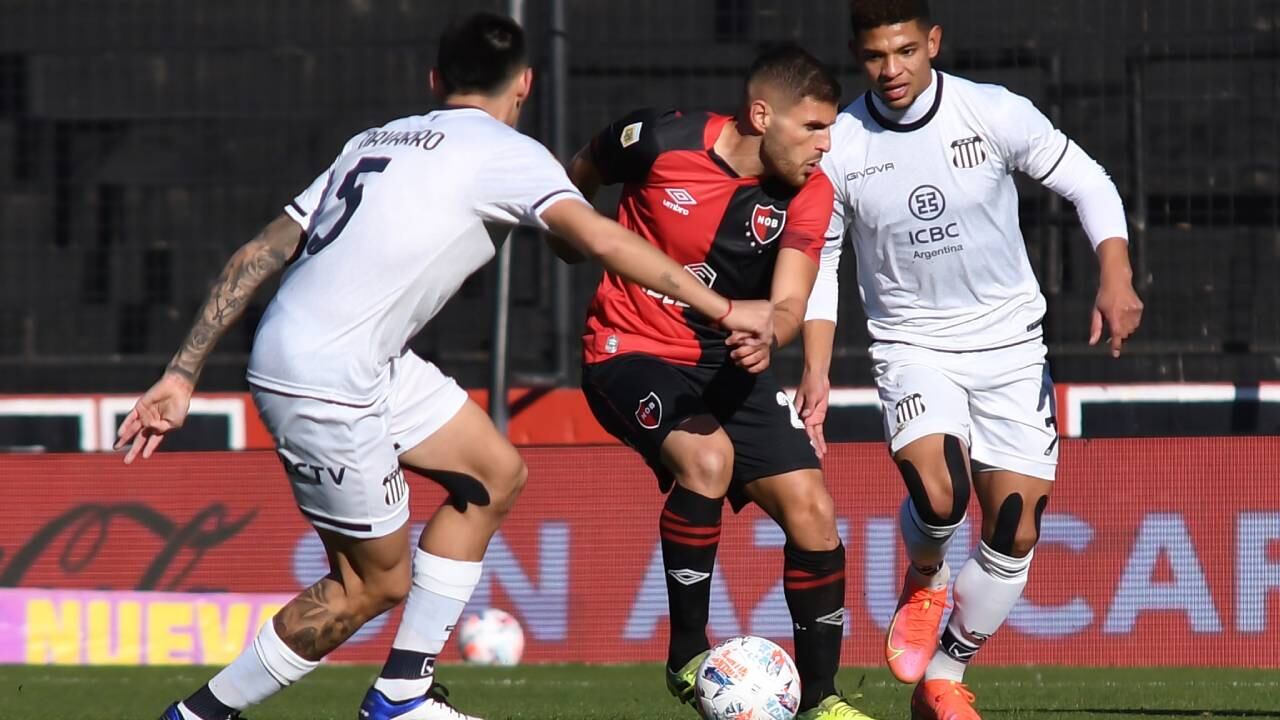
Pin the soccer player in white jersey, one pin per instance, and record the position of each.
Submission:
(374, 248)
(922, 166)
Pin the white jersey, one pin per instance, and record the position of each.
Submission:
(932, 210)
(405, 214)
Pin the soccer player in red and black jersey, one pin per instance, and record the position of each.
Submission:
(741, 202)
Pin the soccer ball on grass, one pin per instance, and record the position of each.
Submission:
(748, 677)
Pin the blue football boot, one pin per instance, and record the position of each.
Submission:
(432, 706)
(173, 713)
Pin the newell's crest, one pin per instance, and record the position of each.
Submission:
(766, 223)
(649, 414)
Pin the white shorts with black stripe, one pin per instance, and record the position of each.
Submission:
(343, 461)
(1000, 402)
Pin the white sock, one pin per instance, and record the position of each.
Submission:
(926, 547)
(441, 589)
(987, 588)
(262, 670)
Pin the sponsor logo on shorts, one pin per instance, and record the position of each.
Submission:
(649, 413)
(308, 474)
(909, 408)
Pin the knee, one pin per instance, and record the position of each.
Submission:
(1015, 532)
(707, 471)
(810, 520)
(939, 490)
(507, 481)
(937, 498)
(1024, 541)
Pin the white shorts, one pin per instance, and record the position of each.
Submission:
(1000, 402)
(343, 461)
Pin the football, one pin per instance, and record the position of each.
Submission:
(748, 677)
(492, 637)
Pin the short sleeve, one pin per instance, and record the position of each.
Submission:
(1028, 139)
(808, 216)
(625, 150)
(519, 181)
(305, 203)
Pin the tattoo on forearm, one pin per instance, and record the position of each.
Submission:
(310, 624)
(669, 280)
(251, 266)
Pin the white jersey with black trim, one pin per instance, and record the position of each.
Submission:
(404, 215)
(929, 201)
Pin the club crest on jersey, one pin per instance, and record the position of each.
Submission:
(649, 413)
(766, 223)
(968, 152)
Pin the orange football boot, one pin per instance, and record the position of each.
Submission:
(943, 700)
(913, 633)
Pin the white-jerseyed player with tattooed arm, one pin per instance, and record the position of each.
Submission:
(922, 165)
(374, 248)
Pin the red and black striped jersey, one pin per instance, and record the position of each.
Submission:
(724, 228)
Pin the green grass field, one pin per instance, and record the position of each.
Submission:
(636, 691)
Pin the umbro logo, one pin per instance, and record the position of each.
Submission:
(688, 577)
(678, 199)
(833, 618)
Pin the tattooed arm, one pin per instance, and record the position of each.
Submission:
(164, 407)
(252, 265)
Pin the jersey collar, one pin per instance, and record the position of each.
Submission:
(877, 114)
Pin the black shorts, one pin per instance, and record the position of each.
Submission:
(640, 399)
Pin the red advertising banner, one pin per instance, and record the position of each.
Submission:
(1153, 552)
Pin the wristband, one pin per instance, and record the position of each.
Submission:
(720, 319)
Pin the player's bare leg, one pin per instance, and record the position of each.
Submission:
(484, 475)
(813, 582)
(366, 578)
(698, 456)
(935, 469)
(988, 585)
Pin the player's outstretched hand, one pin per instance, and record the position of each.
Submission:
(811, 405)
(1119, 307)
(163, 408)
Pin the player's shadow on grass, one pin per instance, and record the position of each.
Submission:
(1136, 712)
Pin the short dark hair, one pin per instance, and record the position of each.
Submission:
(480, 54)
(794, 70)
(871, 14)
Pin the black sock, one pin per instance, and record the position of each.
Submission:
(407, 665)
(813, 582)
(690, 531)
(203, 703)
